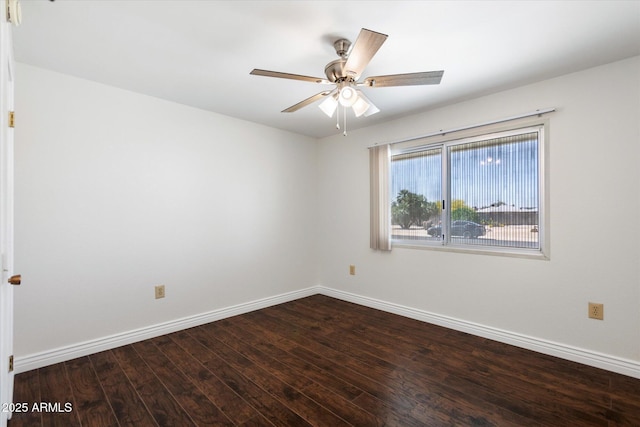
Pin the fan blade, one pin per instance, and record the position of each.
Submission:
(366, 45)
(307, 101)
(409, 79)
(267, 73)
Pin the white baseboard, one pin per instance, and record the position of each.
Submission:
(45, 358)
(587, 357)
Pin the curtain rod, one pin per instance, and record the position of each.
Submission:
(444, 132)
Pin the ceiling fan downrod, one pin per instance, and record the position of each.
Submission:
(342, 47)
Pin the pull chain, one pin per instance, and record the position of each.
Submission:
(344, 113)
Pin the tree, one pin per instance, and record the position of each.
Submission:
(410, 208)
(460, 210)
(457, 204)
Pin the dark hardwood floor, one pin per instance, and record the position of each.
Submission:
(323, 362)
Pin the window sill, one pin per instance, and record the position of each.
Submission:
(504, 252)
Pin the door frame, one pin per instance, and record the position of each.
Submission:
(7, 74)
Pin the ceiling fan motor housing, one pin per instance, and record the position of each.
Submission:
(335, 70)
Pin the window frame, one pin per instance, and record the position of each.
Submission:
(444, 142)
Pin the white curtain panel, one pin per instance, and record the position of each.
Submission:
(379, 159)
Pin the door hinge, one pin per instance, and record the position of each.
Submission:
(14, 12)
(11, 363)
(11, 119)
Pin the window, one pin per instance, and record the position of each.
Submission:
(479, 193)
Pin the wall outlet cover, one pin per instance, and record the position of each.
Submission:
(596, 311)
(159, 291)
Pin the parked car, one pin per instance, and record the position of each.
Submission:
(466, 229)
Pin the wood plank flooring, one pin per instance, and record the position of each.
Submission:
(319, 361)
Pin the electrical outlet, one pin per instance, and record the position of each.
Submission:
(352, 270)
(159, 291)
(596, 311)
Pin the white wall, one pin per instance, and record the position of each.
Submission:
(117, 192)
(594, 203)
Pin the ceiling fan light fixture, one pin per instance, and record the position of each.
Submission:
(371, 109)
(360, 106)
(348, 96)
(329, 105)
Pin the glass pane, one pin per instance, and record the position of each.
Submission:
(494, 192)
(416, 195)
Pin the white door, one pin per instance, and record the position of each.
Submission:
(6, 218)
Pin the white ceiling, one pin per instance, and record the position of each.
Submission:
(200, 53)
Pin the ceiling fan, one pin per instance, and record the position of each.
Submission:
(345, 72)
